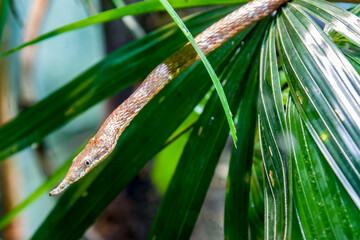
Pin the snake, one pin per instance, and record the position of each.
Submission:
(105, 140)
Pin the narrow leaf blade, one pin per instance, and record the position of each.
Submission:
(207, 65)
(236, 223)
(272, 130)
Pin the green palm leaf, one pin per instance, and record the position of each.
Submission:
(323, 207)
(96, 84)
(273, 140)
(325, 93)
(183, 199)
(237, 199)
(89, 197)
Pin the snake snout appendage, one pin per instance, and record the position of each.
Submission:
(60, 188)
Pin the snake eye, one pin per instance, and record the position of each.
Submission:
(87, 163)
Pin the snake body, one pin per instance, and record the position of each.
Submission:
(103, 143)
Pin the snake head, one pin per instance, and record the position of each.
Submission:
(93, 153)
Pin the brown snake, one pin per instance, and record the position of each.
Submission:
(103, 143)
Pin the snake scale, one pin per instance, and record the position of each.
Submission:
(103, 143)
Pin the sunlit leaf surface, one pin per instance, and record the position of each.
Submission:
(323, 207)
(325, 88)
